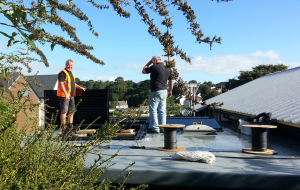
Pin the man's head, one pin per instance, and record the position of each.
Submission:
(156, 59)
(69, 65)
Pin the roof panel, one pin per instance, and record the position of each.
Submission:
(278, 93)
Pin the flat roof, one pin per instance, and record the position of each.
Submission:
(232, 169)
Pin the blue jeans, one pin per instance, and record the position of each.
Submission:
(157, 100)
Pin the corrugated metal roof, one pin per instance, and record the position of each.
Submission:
(278, 93)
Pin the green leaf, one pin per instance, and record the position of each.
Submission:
(31, 43)
(14, 34)
(43, 21)
(10, 43)
(18, 13)
(51, 2)
(4, 72)
(52, 46)
(24, 15)
(6, 35)
(12, 19)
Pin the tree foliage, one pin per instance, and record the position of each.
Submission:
(43, 160)
(122, 90)
(28, 20)
(258, 71)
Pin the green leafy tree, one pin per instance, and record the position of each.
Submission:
(77, 80)
(130, 83)
(113, 97)
(82, 83)
(99, 85)
(214, 93)
(90, 84)
(23, 156)
(258, 71)
(120, 81)
(205, 92)
(192, 81)
(209, 83)
(171, 100)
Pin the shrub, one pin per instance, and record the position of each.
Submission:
(43, 159)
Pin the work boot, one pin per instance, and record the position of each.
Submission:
(66, 130)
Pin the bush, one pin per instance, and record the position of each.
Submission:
(43, 159)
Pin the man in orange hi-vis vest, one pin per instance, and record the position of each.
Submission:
(66, 91)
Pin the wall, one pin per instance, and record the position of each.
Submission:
(21, 117)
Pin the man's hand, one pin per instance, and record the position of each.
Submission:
(83, 88)
(67, 97)
(169, 94)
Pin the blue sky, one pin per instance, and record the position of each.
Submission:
(253, 32)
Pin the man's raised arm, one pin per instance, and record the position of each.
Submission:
(146, 66)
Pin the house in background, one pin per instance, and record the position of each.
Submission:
(34, 92)
(145, 109)
(216, 89)
(47, 82)
(182, 101)
(121, 105)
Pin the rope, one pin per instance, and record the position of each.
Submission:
(170, 138)
(259, 139)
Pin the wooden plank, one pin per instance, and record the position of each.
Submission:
(260, 126)
(171, 126)
(126, 134)
(86, 131)
(127, 131)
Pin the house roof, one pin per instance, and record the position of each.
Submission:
(122, 103)
(278, 93)
(13, 78)
(144, 107)
(48, 82)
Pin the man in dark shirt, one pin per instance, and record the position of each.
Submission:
(159, 76)
(66, 92)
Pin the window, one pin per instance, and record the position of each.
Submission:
(25, 94)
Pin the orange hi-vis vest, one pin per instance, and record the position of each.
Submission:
(67, 85)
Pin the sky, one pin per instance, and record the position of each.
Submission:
(253, 32)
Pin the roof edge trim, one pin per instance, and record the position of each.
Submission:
(273, 120)
(288, 123)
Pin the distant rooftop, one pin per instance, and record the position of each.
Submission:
(12, 79)
(48, 82)
(278, 93)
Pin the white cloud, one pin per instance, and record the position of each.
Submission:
(231, 64)
(293, 64)
(134, 66)
(269, 54)
(36, 66)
